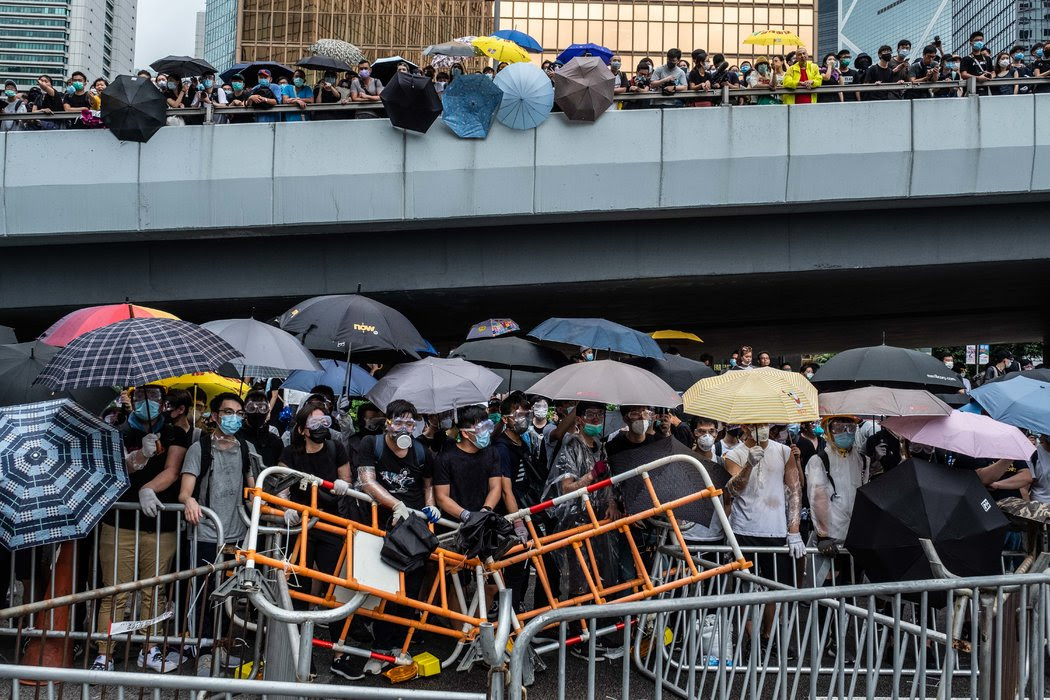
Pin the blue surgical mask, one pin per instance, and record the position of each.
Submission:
(231, 424)
(208, 84)
(78, 85)
(844, 441)
(745, 69)
(70, 89)
(9, 93)
(1018, 56)
(171, 85)
(794, 429)
(238, 86)
(264, 82)
(978, 45)
(904, 52)
(298, 82)
(147, 410)
(817, 430)
(592, 429)
(482, 440)
(1039, 53)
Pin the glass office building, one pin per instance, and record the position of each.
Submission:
(1004, 22)
(865, 25)
(220, 33)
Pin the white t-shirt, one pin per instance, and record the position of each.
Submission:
(849, 474)
(1040, 488)
(760, 510)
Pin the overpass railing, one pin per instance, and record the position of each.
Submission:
(726, 95)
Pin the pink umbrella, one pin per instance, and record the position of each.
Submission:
(965, 433)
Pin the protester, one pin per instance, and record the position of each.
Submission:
(520, 481)
(833, 476)
(365, 89)
(257, 431)
(802, 75)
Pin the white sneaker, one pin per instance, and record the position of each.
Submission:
(374, 666)
(102, 663)
(161, 663)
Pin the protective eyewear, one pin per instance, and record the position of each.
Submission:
(483, 427)
(148, 394)
(231, 412)
(641, 414)
(257, 407)
(402, 424)
(521, 413)
(317, 422)
(593, 414)
(840, 428)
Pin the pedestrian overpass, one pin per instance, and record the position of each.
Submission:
(907, 217)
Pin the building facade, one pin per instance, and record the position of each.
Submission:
(56, 37)
(1004, 22)
(864, 26)
(198, 35)
(221, 19)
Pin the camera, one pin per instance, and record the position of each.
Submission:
(642, 80)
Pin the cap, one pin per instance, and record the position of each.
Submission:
(10, 82)
(264, 72)
(236, 76)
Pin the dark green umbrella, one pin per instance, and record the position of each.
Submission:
(133, 109)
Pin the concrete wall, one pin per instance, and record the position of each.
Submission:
(361, 173)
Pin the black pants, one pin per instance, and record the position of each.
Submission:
(392, 636)
(322, 554)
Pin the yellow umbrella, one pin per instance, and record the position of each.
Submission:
(763, 395)
(676, 335)
(210, 383)
(500, 50)
(774, 37)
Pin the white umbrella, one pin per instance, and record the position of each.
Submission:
(268, 351)
(434, 385)
(606, 381)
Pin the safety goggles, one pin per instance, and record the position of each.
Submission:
(318, 422)
(402, 423)
(148, 394)
(256, 407)
(593, 415)
(481, 428)
(841, 428)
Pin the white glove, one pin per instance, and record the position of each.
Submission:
(401, 511)
(795, 546)
(149, 444)
(149, 502)
(291, 517)
(340, 487)
(432, 513)
(755, 454)
(521, 531)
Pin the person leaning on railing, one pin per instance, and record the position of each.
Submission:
(802, 75)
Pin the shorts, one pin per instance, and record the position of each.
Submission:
(779, 567)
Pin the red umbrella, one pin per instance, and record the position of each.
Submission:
(75, 324)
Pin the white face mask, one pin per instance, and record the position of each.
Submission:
(640, 427)
(403, 441)
(949, 364)
(761, 433)
(539, 410)
(705, 442)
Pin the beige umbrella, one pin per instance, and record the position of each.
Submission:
(583, 88)
(882, 401)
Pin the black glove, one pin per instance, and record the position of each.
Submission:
(827, 546)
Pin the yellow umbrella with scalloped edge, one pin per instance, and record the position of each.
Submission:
(774, 37)
(761, 395)
(210, 383)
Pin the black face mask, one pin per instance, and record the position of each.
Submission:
(255, 420)
(320, 434)
(884, 57)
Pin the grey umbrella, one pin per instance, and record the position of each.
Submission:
(450, 48)
(882, 401)
(434, 385)
(268, 351)
(583, 88)
(7, 335)
(21, 363)
(606, 381)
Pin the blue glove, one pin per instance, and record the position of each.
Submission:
(432, 513)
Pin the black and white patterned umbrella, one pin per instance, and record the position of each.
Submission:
(134, 352)
(61, 469)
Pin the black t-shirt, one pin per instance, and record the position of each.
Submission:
(435, 444)
(74, 100)
(402, 477)
(324, 464)
(620, 443)
(467, 475)
(975, 66)
(697, 76)
(515, 463)
(170, 436)
(975, 463)
(269, 446)
(877, 74)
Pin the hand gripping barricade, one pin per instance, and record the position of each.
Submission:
(363, 585)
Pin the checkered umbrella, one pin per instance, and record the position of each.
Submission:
(60, 470)
(134, 352)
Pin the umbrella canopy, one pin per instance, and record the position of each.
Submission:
(774, 37)
(527, 96)
(583, 88)
(1022, 402)
(585, 50)
(492, 328)
(520, 38)
(79, 322)
(351, 323)
(500, 50)
(762, 395)
(7, 336)
(133, 109)
(323, 63)
(332, 375)
(680, 372)
(516, 379)
(470, 103)
(670, 336)
(21, 363)
(965, 433)
(606, 381)
(61, 469)
(136, 351)
(1042, 375)
(383, 69)
(250, 71)
(599, 334)
(434, 385)
(411, 101)
(917, 499)
(882, 401)
(885, 365)
(267, 350)
(451, 48)
(510, 353)
(210, 383)
(182, 66)
(337, 48)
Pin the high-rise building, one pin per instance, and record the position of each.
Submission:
(57, 37)
(198, 36)
(827, 27)
(1004, 22)
(865, 25)
(282, 29)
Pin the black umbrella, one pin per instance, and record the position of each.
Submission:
(351, 323)
(7, 335)
(511, 353)
(411, 102)
(516, 379)
(323, 63)
(21, 363)
(250, 71)
(383, 69)
(917, 499)
(133, 108)
(182, 66)
(885, 365)
(680, 372)
(1041, 375)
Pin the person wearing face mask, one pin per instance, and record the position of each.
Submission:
(326, 92)
(620, 81)
(237, 97)
(298, 93)
(668, 78)
(882, 73)
(435, 431)
(902, 60)
(833, 476)
(467, 477)
(12, 105)
(262, 436)
(706, 443)
(1039, 63)
(76, 98)
(637, 430)
(977, 65)
(441, 82)
(848, 74)
(265, 96)
(743, 359)
(365, 89)
(761, 77)
(731, 437)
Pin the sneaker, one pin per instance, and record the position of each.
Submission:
(612, 653)
(159, 662)
(348, 667)
(375, 666)
(580, 651)
(102, 663)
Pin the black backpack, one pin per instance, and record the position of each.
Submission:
(206, 460)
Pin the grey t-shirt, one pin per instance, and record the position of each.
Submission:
(222, 490)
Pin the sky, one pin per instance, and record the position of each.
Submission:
(165, 27)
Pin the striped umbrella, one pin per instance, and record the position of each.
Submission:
(763, 395)
(134, 352)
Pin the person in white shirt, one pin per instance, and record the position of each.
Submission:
(1039, 490)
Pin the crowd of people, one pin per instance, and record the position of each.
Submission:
(795, 70)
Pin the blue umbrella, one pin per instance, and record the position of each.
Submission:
(528, 96)
(332, 375)
(469, 105)
(60, 471)
(585, 50)
(521, 39)
(1022, 402)
(599, 334)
